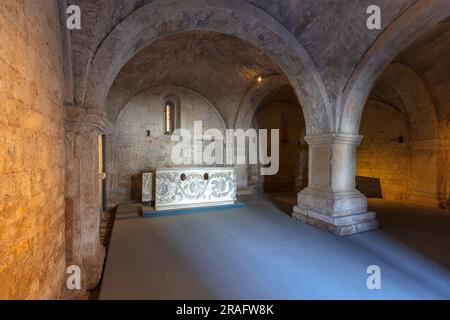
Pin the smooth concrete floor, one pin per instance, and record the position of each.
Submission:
(259, 252)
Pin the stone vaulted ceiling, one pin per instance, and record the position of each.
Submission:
(333, 32)
(333, 36)
(429, 57)
(328, 30)
(220, 67)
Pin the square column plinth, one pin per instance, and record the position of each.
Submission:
(331, 201)
(342, 214)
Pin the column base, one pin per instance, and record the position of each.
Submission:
(353, 224)
(95, 272)
(341, 213)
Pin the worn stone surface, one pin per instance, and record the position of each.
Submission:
(213, 50)
(32, 260)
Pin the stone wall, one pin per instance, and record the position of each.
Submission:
(445, 163)
(136, 151)
(381, 155)
(32, 255)
(293, 172)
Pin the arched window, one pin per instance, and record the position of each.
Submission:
(169, 117)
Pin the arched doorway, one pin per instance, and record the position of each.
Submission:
(280, 110)
(145, 26)
(404, 125)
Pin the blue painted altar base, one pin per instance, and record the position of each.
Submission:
(152, 213)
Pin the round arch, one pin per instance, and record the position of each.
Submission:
(168, 91)
(237, 18)
(415, 21)
(266, 105)
(424, 181)
(253, 99)
(416, 98)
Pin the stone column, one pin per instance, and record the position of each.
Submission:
(83, 247)
(331, 201)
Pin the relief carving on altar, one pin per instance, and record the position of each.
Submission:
(147, 187)
(185, 187)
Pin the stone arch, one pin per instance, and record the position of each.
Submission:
(416, 98)
(152, 99)
(285, 115)
(238, 18)
(250, 105)
(424, 178)
(265, 105)
(253, 99)
(168, 91)
(415, 21)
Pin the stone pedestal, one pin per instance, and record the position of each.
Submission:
(331, 200)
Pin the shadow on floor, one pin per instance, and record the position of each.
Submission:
(257, 252)
(425, 230)
(283, 201)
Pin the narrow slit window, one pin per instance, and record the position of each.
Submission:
(169, 118)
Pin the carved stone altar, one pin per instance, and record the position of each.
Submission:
(178, 188)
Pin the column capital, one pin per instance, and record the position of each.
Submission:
(78, 117)
(334, 138)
